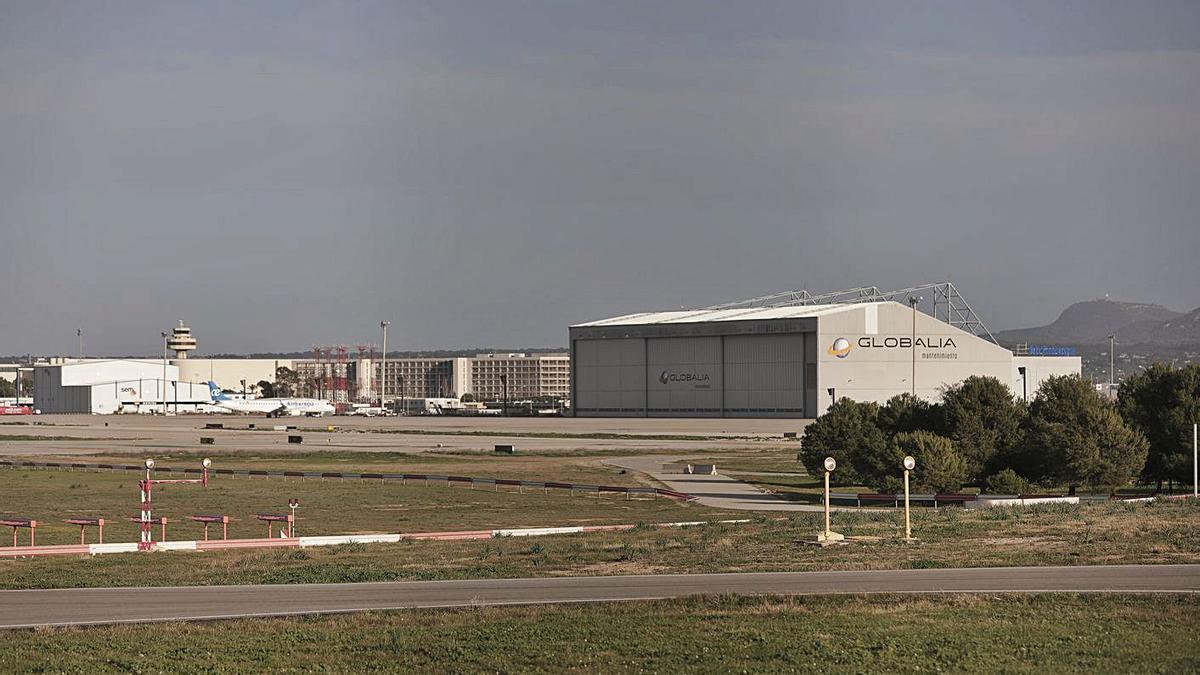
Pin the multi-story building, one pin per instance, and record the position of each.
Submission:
(423, 378)
(520, 376)
(483, 376)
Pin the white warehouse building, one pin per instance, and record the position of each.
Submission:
(106, 386)
(790, 355)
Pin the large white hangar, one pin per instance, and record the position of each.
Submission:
(791, 355)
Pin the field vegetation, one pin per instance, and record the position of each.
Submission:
(1105, 533)
(1019, 634)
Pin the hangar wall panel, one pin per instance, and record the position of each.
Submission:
(683, 376)
(610, 376)
(764, 374)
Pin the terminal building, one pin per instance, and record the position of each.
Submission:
(791, 355)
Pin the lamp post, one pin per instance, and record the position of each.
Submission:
(383, 367)
(1112, 363)
(504, 383)
(909, 464)
(1024, 387)
(828, 535)
(164, 380)
(293, 504)
(79, 334)
(912, 302)
(243, 389)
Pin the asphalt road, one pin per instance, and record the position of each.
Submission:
(31, 608)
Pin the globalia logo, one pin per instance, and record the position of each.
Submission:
(664, 377)
(840, 348)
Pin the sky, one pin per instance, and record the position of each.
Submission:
(283, 174)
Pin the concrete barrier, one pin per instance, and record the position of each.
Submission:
(986, 501)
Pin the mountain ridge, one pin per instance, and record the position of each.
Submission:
(1092, 321)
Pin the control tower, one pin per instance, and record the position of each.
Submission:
(181, 340)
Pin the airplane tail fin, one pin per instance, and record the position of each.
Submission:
(215, 392)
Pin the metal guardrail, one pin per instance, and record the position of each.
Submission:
(402, 477)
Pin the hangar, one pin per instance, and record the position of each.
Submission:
(791, 355)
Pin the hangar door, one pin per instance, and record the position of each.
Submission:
(610, 377)
(764, 375)
(683, 376)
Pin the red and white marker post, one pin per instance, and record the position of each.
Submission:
(147, 517)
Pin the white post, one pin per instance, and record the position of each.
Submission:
(907, 522)
(826, 503)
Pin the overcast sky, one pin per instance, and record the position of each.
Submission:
(280, 174)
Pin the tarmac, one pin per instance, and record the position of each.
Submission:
(715, 490)
(86, 606)
(97, 434)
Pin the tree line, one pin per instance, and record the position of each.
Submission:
(979, 434)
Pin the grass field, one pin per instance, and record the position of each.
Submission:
(330, 506)
(1104, 533)
(1034, 634)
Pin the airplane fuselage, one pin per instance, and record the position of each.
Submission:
(273, 407)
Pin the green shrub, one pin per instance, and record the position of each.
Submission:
(1007, 482)
(939, 466)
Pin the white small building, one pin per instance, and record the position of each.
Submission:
(108, 386)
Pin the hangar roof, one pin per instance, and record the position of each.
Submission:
(711, 315)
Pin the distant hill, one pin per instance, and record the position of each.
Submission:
(1091, 322)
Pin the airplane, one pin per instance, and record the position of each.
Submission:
(271, 407)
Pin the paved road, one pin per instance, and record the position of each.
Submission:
(718, 491)
(25, 609)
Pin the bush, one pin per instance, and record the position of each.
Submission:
(939, 466)
(1007, 482)
(846, 432)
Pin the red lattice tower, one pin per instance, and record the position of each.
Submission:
(341, 374)
(327, 371)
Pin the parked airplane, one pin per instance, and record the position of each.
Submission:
(271, 407)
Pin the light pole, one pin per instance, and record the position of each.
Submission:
(293, 504)
(79, 334)
(912, 302)
(504, 383)
(383, 367)
(164, 380)
(1112, 362)
(243, 389)
(828, 535)
(909, 464)
(1024, 387)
